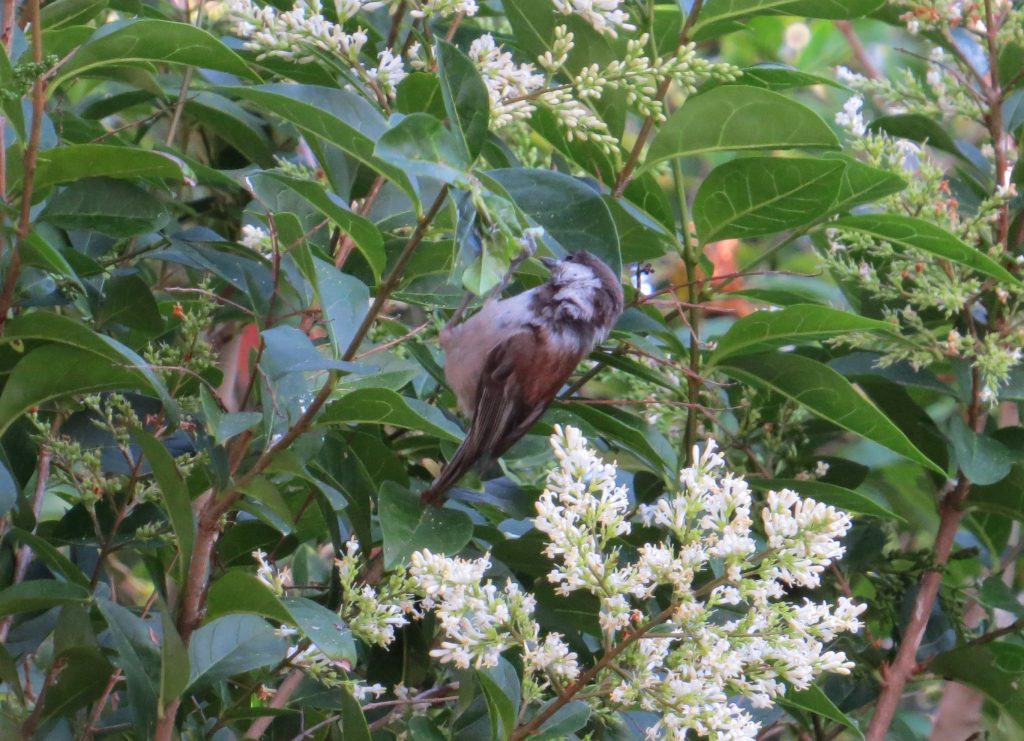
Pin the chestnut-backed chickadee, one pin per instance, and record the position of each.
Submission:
(507, 362)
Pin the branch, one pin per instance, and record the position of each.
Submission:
(281, 697)
(29, 167)
(626, 173)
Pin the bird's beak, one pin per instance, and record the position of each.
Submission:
(550, 262)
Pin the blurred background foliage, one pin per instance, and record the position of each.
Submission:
(227, 256)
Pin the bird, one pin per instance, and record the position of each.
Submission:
(507, 362)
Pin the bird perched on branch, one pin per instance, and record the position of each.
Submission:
(508, 361)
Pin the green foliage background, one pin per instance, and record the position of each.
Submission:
(138, 141)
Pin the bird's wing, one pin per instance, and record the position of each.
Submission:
(519, 380)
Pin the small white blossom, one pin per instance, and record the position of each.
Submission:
(604, 15)
(850, 117)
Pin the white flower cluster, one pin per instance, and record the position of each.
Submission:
(256, 239)
(604, 15)
(297, 34)
(721, 638)
(515, 90)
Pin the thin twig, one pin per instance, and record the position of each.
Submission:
(279, 700)
(859, 52)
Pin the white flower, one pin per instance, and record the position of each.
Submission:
(850, 117)
(604, 15)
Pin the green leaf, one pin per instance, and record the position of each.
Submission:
(50, 327)
(113, 207)
(814, 700)
(570, 718)
(503, 695)
(572, 213)
(739, 117)
(69, 12)
(353, 722)
(981, 667)
(982, 459)
(862, 183)
(324, 627)
(54, 371)
(232, 123)
(363, 231)
(382, 406)
(421, 146)
(41, 594)
(81, 681)
(465, 96)
(628, 432)
(1013, 111)
(821, 491)
(827, 394)
(731, 10)
(995, 595)
(336, 116)
(774, 76)
(56, 561)
(72, 162)
(232, 645)
(241, 592)
(174, 492)
(918, 234)
(151, 40)
(754, 196)
(919, 128)
(767, 330)
(9, 674)
(343, 301)
(139, 658)
(407, 525)
(174, 668)
(127, 300)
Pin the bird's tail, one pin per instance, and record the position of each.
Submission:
(454, 470)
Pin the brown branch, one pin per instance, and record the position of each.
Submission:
(626, 174)
(281, 697)
(859, 52)
(29, 167)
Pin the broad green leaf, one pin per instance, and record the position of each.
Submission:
(173, 491)
(381, 406)
(128, 301)
(982, 459)
(1013, 111)
(720, 11)
(739, 117)
(232, 123)
(289, 350)
(572, 213)
(862, 183)
(56, 561)
(982, 667)
(336, 116)
(570, 718)
(407, 526)
(40, 594)
(241, 592)
(113, 207)
(465, 97)
(503, 695)
(421, 146)
(72, 162)
(343, 301)
(363, 231)
(139, 659)
(919, 128)
(151, 40)
(50, 327)
(814, 700)
(995, 595)
(775, 76)
(827, 394)
(174, 669)
(918, 234)
(69, 12)
(353, 722)
(324, 627)
(754, 196)
(231, 645)
(9, 673)
(81, 681)
(420, 92)
(54, 371)
(821, 491)
(767, 330)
